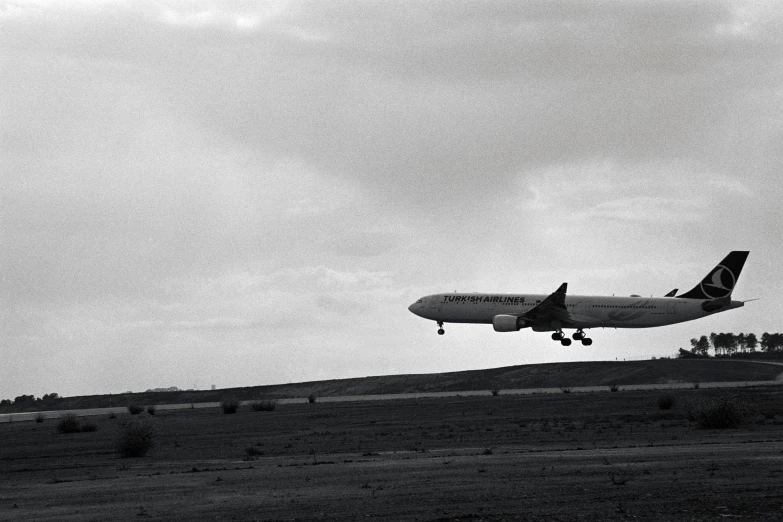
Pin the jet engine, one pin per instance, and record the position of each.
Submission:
(507, 323)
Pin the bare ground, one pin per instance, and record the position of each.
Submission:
(591, 457)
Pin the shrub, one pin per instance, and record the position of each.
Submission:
(39, 418)
(311, 398)
(151, 410)
(134, 409)
(720, 413)
(614, 387)
(136, 438)
(665, 402)
(112, 415)
(263, 405)
(565, 389)
(495, 393)
(88, 426)
(69, 423)
(695, 385)
(252, 451)
(229, 404)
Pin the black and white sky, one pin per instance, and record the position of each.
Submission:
(241, 193)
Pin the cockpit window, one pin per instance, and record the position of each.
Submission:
(419, 301)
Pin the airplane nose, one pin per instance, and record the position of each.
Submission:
(414, 308)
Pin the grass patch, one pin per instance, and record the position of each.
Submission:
(229, 404)
(720, 413)
(136, 437)
(88, 426)
(261, 405)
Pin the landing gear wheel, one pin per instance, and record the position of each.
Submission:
(578, 335)
(441, 331)
(587, 341)
(557, 336)
(565, 341)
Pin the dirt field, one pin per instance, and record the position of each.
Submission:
(587, 456)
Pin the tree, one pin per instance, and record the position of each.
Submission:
(771, 342)
(22, 399)
(50, 397)
(700, 346)
(751, 342)
(741, 341)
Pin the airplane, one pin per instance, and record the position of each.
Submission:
(556, 311)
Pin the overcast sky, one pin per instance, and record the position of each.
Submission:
(245, 193)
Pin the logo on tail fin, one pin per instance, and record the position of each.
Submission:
(719, 283)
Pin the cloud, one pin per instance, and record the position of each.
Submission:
(182, 178)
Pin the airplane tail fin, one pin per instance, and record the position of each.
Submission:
(721, 279)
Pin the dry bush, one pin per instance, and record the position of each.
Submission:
(665, 402)
(263, 405)
(69, 423)
(134, 409)
(136, 437)
(229, 404)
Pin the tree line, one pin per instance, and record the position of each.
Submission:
(30, 399)
(728, 344)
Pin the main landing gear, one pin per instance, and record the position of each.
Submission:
(579, 335)
(441, 331)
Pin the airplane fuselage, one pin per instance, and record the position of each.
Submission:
(584, 311)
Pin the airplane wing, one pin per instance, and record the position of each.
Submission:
(551, 308)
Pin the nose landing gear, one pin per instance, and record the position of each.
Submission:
(441, 331)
